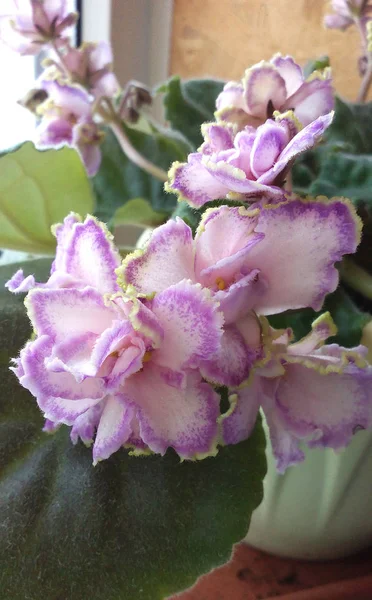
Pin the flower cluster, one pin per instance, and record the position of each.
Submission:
(348, 12)
(78, 91)
(134, 354)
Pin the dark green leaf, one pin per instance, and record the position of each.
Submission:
(120, 180)
(348, 318)
(188, 104)
(129, 528)
(347, 175)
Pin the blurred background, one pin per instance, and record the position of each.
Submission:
(153, 39)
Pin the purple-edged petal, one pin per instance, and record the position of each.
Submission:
(238, 422)
(304, 140)
(91, 156)
(325, 409)
(192, 325)
(321, 329)
(68, 312)
(218, 136)
(232, 362)
(86, 424)
(54, 132)
(183, 419)
(59, 396)
(314, 98)
(217, 248)
(167, 259)
(303, 241)
(230, 103)
(270, 140)
(290, 71)
(194, 183)
(114, 427)
(263, 84)
(234, 179)
(241, 296)
(19, 284)
(63, 232)
(90, 256)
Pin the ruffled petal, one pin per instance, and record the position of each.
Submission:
(271, 138)
(230, 103)
(263, 84)
(183, 419)
(59, 395)
(67, 313)
(167, 259)
(193, 183)
(303, 241)
(231, 365)
(324, 409)
(88, 254)
(238, 422)
(290, 71)
(243, 295)
(304, 140)
(192, 325)
(19, 284)
(114, 427)
(217, 136)
(85, 425)
(213, 246)
(314, 98)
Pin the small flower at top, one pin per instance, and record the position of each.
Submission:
(348, 12)
(67, 119)
(90, 65)
(33, 24)
(245, 165)
(277, 85)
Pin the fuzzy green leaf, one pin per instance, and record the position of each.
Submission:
(129, 528)
(188, 104)
(38, 189)
(119, 180)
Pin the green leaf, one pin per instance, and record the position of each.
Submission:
(138, 212)
(38, 189)
(188, 104)
(348, 318)
(129, 528)
(347, 175)
(119, 180)
(316, 64)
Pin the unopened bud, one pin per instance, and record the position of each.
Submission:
(134, 97)
(33, 99)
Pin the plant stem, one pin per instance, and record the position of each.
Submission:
(356, 277)
(366, 81)
(135, 156)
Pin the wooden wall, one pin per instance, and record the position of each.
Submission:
(223, 37)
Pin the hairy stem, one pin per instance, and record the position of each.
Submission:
(366, 81)
(356, 277)
(135, 156)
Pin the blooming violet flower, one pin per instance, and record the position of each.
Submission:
(258, 267)
(67, 119)
(244, 165)
(277, 85)
(91, 66)
(348, 12)
(312, 393)
(34, 23)
(110, 364)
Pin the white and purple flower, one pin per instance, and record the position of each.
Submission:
(108, 363)
(277, 85)
(348, 12)
(67, 119)
(310, 393)
(245, 165)
(32, 24)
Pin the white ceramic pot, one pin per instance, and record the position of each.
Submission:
(320, 509)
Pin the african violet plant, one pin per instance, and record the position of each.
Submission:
(162, 361)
